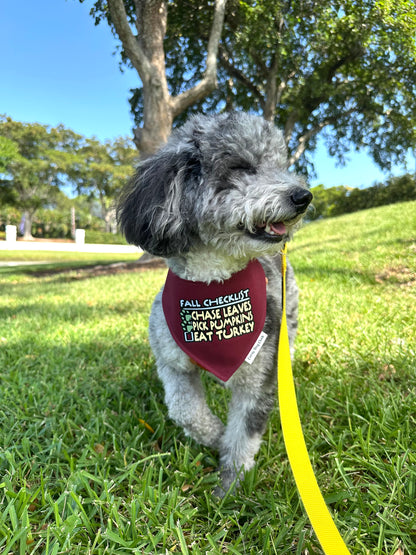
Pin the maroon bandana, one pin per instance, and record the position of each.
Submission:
(217, 324)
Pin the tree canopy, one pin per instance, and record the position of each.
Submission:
(342, 69)
(35, 168)
(38, 161)
(346, 69)
(101, 170)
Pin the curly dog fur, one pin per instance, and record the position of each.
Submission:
(216, 196)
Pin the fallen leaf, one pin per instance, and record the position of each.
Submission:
(208, 469)
(146, 425)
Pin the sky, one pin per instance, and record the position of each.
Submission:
(57, 67)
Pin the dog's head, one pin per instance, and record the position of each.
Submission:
(220, 181)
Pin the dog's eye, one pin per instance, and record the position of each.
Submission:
(243, 166)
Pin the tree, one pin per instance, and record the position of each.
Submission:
(345, 69)
(101, 171)
(141, 27)
(55, 219)
(398, 189)
(341, 69)
(335, 201)
(326, 201)
(35, 166)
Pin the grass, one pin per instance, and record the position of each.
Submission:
(35, 262)
(89, 462)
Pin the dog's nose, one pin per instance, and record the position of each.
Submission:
(301, 198)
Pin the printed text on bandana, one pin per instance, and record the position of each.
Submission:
(222, 317)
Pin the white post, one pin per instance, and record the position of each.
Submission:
(80, 236)
(11, 233)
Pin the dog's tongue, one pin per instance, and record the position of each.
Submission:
(278, 228)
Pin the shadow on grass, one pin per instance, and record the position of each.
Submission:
(81, 269)
(51, 313)
(304, 271)
(78, 395)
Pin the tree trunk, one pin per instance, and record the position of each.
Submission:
(151, 21)
(27, 225)
(110, 220)
(147, 55)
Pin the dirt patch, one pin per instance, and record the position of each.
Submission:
(40, 240)
(400, 275)
(140, 265)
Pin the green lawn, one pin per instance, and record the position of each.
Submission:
(89, 462)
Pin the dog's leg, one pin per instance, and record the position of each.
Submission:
(185, 399)
(247, 419)
(184, 392)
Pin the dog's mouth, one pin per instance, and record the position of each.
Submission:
(274, 231)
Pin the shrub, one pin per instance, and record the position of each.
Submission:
(334, 201)
(103, 237)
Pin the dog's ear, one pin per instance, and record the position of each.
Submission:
(155, 209)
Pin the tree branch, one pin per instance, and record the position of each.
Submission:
(234, 72)
(303, 140)
(289, 126)
(307, 135)
(325, 72)
(282, 86)
(130, 44)
(209, 80)
(273, 92)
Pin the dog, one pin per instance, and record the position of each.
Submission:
(217, 201)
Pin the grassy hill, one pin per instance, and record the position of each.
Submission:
(89, 462)
(368, 242)
(357, 275)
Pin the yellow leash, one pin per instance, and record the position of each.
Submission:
(318, 513)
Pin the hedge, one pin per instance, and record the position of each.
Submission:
(103, 237)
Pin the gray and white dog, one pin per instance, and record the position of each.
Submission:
(216, 196)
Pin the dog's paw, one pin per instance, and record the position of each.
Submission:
(229, 482)
(219, 492)
(208, 432)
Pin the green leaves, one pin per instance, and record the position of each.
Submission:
(8, 151)
(334, 201)
(347, 67)
(33, 165)
(37, 161)
(102, 169)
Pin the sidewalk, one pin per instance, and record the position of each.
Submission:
(66, 247)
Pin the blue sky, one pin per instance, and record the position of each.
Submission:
(56, 67)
